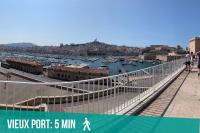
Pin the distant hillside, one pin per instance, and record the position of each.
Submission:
(20, 45)
(94, 48)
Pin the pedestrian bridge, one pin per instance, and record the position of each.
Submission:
(118, 94)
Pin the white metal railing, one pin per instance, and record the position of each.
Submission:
(109, 95)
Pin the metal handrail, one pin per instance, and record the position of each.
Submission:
(100, 95)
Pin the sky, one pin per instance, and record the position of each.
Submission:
(123, 22)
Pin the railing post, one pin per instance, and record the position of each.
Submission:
(107, 106)
(61, 98)
(72, 99)
(162, 71)
(114, 94)
(153, 76)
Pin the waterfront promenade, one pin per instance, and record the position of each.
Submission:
(187, 101)
(180, 99)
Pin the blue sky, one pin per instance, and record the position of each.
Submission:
(123, 22)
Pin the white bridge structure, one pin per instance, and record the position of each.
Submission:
(116, 94)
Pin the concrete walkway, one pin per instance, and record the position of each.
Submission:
(161, 103)
(187, 101)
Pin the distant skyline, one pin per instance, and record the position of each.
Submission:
(136, 23)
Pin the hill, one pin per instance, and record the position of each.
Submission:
(20, 45)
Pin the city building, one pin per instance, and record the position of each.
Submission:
(169, 57)
(69, 73)
(25, 65)
(194, 44)
(148, 56)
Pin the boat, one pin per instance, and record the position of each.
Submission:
(154, 63)
(103, 67)
(129, 63)
(109, 60)
(141, 61)
(121, 59)
(134, 64)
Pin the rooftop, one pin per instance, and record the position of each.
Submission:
(24, 61)
(195, 38)
(79, 70)
(73, 65)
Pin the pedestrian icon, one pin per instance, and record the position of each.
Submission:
(86, 124)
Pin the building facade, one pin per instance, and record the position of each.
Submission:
(26, 66)
(149, 56)
(66, 73)
(165, 58)
(194, 44)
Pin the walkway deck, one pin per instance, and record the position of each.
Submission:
(159, 106)
(180, 99)
(187, 101)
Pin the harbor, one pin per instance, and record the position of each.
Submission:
(116, 65)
